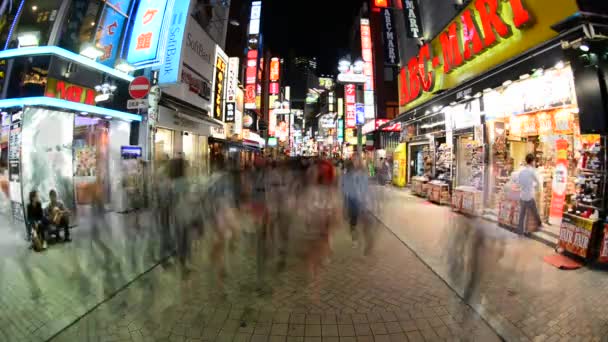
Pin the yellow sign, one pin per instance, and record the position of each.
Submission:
(486, 34)
(400, 165)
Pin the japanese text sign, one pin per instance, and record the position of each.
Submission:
(146, 34)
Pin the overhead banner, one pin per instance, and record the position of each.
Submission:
(231, 87)
(391, 56)
(413, 24)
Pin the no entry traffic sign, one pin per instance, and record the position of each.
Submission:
(139, 87)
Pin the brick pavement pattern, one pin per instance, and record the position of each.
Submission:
(520, 296)
(389, 295)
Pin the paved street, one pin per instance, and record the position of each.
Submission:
(41, 293)
(520, 296)
(389, 295)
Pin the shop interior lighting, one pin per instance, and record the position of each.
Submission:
(559, 65)
(477, 95)
(487, 90)
(538, 72)
(467, 97)
(453, 103)
(524, 76)
(43, 101)
(34, 8)
(63, 53)
(584, 47)
(507, 83)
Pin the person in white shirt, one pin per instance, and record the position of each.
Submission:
(528, 181)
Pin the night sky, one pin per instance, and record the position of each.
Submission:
(313, 28)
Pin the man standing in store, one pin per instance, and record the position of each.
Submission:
(528, 182)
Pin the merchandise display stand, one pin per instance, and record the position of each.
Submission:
(467, 200)
(439, 192)
(419, 186)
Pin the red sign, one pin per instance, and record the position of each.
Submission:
(252, 67)
(462, 41)
(350, 100)
(250, 96)
(139, 87)
(274, 69)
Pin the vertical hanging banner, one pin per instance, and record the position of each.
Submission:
(219, 80)
(560, 178)
(231, 86)
(368, 58)
(413, 24)
(350, 94)
(253, 41)
(390, 38)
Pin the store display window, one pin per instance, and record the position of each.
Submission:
(90, 156)
(163, 144)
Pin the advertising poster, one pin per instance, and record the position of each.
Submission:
(574, 234)
(560, 178)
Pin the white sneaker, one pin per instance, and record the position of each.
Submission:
(44, 246)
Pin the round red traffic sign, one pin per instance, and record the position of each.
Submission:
(139, 87)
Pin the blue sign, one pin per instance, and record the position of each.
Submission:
(147, 33)
(170, 70)
(109, 31)
(131, 152)
(360, 113)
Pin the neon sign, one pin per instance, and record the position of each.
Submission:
(220, 73)
(146, 36)
(69, 92)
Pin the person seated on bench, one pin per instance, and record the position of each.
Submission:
(36, 222)
(58, 215)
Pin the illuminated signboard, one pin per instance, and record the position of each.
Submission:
(220, 77)
(253, 44)
(274, 69)
(340, 108)
(360, 113)
(273, 88)
(174, 55)
(109, 30)
(147, 34)
(231, 88)
(350, 94)
(368, 58)
(498, 30)
(69, 92)
(381, 3)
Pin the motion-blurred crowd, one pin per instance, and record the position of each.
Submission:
(272, 202)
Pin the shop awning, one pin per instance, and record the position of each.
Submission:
(189, 112)
(42, 101)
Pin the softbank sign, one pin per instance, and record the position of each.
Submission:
(189, 60)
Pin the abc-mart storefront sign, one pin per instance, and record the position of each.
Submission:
(484, 35)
